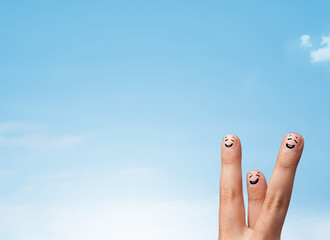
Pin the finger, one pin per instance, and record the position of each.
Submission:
(279, 191)
(256, 186)
(232, 213)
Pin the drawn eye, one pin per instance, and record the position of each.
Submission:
(232, 140)
(250, 176)
(258, 175)
(289, 138)
(226, 140)
(295, 141)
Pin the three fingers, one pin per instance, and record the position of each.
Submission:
(267, 206)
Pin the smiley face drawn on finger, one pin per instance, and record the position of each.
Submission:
(291, 141)
(254, 177)
(229, 141)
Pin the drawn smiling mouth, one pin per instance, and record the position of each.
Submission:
(255, 181)
(290, 146)
(228, 146)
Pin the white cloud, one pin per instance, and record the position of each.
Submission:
(33, 135)
(307, 227)
(305, 41)
(136, 219)
(323, 53)
(19, 126)
(136, 173)
(175, 220)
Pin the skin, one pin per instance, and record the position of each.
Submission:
(267, 206)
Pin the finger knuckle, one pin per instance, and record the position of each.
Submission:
(229, 159)
(287, 164)
(228, 195)
(288, 160)
(225, 236)
(275, 204)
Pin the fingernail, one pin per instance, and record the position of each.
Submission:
(254, 177)
(230, 141)
(292, 141)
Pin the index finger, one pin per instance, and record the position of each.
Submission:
(280, 186)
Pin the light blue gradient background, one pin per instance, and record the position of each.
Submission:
(155, 85)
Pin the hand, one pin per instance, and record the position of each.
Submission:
(267, 206)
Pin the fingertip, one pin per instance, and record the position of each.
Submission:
(254, 171)
(231, 152)
(255, 178)
(293, 141)
(230, 142)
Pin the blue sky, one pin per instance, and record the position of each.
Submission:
(112, 113)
